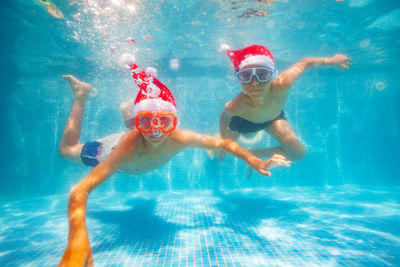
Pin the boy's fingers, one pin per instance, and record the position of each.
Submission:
(267, 173)
(278, 156)
(278, 162)
(347, 64)
(264, 172)
(274, 163)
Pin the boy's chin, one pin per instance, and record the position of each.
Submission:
(155, 138)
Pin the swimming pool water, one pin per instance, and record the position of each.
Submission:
(337, 207)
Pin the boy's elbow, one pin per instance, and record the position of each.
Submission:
(77, 193)
(227, 144)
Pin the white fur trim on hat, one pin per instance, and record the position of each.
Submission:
(258, 60)
(154, 105)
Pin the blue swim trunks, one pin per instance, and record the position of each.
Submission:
(94, 152)
(91, 152)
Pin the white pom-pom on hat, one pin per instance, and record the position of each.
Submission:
(224, 47)
(126, 59)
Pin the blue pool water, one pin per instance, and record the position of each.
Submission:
(337, 207)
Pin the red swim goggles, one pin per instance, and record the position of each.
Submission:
(147, 121)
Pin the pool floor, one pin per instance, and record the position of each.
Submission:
(284, 226)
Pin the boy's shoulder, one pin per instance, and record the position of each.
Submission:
(132, 134)
(237, 105)
(132, 138)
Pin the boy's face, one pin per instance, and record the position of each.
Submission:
(155, 126)
(255, 88)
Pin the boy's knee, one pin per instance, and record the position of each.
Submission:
(63, 151)
(295, 151)
(69, 152)
(297, 154)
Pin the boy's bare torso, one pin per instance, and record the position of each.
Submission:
(146, 157)
(268, 106)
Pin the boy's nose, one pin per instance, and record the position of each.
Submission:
(254, 80)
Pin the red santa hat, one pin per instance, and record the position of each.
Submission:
(153, 96)
(253, 54)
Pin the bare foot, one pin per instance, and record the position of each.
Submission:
(210, 153)
(80, 89)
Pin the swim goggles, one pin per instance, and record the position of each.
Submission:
(262, 74)
(147, 121)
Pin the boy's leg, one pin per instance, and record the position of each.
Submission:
(69, 147)
(266, 152)
(290, 145)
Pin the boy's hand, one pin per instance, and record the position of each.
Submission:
(341, 61)
(78, 251)
(275, 161)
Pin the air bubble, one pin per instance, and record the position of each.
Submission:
(93, 92)
(131, 9)
(174, 64)
(301, 25)
(380, 86)
(270, 24)
(148, 37)
(116, 3)
(365, 43)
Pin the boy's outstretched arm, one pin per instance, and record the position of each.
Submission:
(78, 251)
(192, 139)
(289, 76)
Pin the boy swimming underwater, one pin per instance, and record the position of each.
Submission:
(260, 106)
(154, 141)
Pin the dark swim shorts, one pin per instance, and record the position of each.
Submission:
(244, 126)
